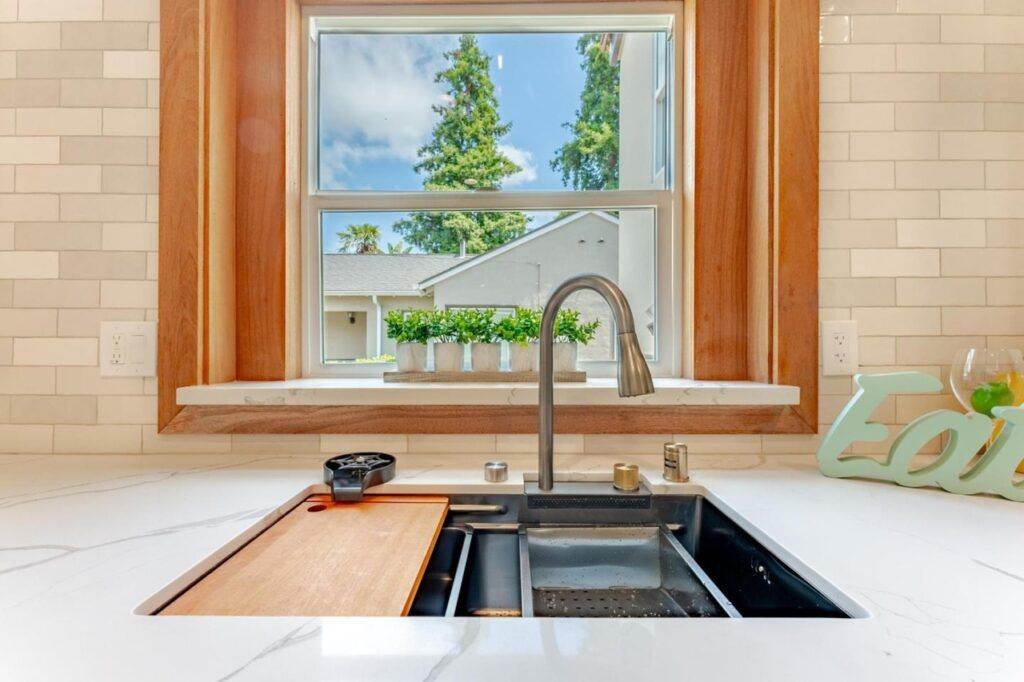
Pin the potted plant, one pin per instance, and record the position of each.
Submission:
(569, 333)
(521, 330)
(448, 330)
(411, 330)
(485, 351)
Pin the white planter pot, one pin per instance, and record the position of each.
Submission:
(411, 357)
(448, 357)
(522, 358)
(565, 357)
(486, 357)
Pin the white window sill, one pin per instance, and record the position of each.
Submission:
(375, 392)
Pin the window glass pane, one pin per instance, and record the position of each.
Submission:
(367, 271)
(510, 111)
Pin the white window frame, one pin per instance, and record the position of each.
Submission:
(666, 203)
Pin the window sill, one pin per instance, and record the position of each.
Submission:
(325, 392)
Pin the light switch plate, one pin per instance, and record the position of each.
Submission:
(839, 348)
(127, 349)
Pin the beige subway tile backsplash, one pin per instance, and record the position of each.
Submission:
(857, 58)
(940, 116)
(895, 29)
(57, 236)
(894, 87)
(56, 294)
(1004, 174)
(923, 291)
(894, 204)
(98, 439)
(29, 264)
(54, 178)
(27, 409)
(970, 87)
(99, 92)
(986, 29)
(983, 320)
(134, 10)
(983, 203)
(103, 150)
(56, 352)
(932, 58)
(103, 207)
(898, 146)
(921, 236)
(982, 145)
(931, 233)
(104, 35)
(894, 262)
(60, 64)
(29, 36)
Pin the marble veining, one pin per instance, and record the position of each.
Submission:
(84, 541)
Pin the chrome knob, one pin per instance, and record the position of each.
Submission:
(495, 472)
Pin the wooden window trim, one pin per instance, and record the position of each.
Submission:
(229, 307)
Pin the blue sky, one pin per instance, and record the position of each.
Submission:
(376, 94)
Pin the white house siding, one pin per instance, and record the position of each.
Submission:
(526, 274)
(343, 340)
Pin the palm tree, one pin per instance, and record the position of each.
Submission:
(362, 239)
(398, 247)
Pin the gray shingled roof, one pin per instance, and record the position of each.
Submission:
(382, 272)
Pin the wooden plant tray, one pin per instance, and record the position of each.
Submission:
(477, 377)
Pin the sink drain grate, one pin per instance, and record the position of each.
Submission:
(623, 603)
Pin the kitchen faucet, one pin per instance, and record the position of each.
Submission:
(634, 377)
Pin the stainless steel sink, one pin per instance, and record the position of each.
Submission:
(613, 556)
(602, 571)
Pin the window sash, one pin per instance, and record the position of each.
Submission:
(667, 203)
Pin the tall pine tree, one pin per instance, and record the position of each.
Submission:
(463, 154)
(590, 160)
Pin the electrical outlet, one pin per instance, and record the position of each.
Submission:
(127, 349)
(839, 348)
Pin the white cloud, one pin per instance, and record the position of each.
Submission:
(522, 158)
(376, 96)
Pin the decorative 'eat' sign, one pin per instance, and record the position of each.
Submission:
(994, 472)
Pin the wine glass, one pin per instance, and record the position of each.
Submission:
(984, 378)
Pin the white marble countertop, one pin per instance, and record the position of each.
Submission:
(371, 391)
(84, 541)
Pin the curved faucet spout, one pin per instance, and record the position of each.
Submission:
(634, 376)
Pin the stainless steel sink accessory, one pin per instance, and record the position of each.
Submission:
(495, 472)
(348, 475)
(634, 377)
(676, 466)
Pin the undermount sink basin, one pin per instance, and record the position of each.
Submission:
(613, 556)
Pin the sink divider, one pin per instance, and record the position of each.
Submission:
(525, 578)
(703, 577)
(460, 574)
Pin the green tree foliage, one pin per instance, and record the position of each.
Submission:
(463, 154)
(363, 239)
(590, 160)
(398, 247)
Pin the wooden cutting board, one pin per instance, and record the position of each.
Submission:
(325, 559)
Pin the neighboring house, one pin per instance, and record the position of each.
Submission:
(360, 289)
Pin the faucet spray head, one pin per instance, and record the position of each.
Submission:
(634, 375)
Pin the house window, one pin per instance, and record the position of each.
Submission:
(457, 160)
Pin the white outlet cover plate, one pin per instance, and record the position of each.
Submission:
(839, 354)
(127, 349)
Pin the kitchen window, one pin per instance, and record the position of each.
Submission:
(477, 160)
